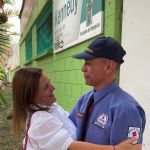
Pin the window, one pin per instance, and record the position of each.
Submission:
(28, 46)
(44, 31)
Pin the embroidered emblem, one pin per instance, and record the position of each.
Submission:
(80, 115)
(134, 132)
(89, 50)
(102, 120)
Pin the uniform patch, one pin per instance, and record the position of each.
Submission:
(102, 120)
(80, 115)
(134, 132)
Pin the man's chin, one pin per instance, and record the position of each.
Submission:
(88, 83)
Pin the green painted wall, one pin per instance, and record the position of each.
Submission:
(113, 17)
(113, 20)
(64, 71)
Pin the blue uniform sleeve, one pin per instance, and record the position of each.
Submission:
(128, 121)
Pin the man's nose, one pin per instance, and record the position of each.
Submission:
(83, 68)
(51, 87)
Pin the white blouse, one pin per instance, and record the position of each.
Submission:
(51, 130)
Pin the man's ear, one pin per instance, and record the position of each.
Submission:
(110, 67)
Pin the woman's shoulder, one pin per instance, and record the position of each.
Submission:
(42, 118)
(42, 115)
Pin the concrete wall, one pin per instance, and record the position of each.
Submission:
(135, 72)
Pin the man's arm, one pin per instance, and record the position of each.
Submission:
(128, 122)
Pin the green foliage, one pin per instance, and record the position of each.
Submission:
(5, 35)
(3, 102)
(8, 141)
(5, 94)
(11, 12)
(5, 45)
(8, 2)
(3, 75)
(4, 84)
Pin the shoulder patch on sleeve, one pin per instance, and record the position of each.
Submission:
(134, 132)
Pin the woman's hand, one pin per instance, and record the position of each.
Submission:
(127, 145)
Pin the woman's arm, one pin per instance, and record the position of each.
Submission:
(125, 145)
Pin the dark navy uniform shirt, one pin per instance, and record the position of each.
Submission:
(116, 116)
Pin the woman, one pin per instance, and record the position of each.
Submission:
(47, 125)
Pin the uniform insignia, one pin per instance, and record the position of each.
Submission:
(90, 50)
(80, 115)
(134, 132)
(101, 120)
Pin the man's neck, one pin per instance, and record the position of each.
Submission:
(104, 84)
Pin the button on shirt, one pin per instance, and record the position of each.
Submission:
(115, 116)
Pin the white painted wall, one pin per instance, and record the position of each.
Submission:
(135, 72)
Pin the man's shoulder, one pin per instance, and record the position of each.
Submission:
(126, 101)
(124, 96)
(85, 96)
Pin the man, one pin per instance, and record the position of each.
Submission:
(114, 115)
